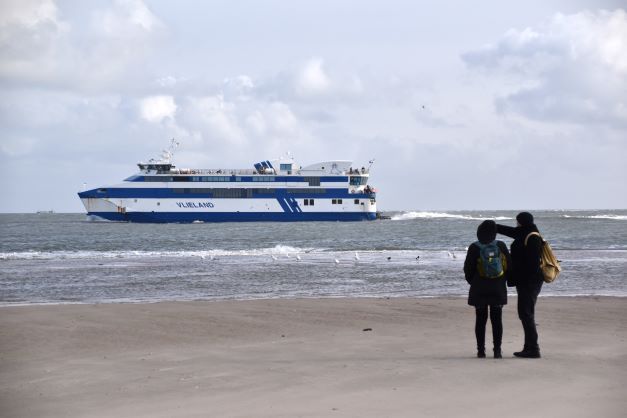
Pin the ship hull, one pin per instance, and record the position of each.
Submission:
(191, 217)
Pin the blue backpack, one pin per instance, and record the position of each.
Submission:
(491, 262)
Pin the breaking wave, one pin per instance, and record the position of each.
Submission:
(608, 216)
(78, 255)
(439, 215)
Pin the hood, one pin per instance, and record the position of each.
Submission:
(486, 232)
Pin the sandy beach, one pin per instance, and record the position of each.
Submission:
(308, 358)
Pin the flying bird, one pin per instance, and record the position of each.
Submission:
(356, 256)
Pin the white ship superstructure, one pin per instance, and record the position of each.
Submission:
(274, 190)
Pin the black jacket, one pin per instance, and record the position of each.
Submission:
(525, 269)
(484, 291)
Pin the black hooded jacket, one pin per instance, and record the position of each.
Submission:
(485, 291)
(525, 269)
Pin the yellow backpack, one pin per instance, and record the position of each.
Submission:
(549, 264)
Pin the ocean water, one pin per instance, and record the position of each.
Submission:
(65, 258)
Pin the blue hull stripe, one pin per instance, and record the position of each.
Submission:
(188, 217)
(294, 205)
(164, 193)
(284, 205)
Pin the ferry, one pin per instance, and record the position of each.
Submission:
(273, 190)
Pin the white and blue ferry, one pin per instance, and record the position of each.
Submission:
(274, 190)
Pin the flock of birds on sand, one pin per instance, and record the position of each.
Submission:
(335, 259)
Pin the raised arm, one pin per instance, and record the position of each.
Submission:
(508, 231)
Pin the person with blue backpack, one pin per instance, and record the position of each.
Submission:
(485, 269)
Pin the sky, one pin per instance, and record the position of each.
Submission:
(463, 105)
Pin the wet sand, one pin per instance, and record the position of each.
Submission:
(308, 358)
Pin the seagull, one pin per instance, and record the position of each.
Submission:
(389, 258)
(274, 257)
(356, 256)
(298, 257)
(449, 254)
(202, 257)
(454, 256)
(418, 257)
(337, 261)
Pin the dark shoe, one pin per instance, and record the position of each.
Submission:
(481, 353)
(527, 354)
(497, 353)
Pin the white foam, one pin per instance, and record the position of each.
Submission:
(607, 216)
(439, 215)
(76, 255)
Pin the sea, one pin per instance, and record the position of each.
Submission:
(67, 258)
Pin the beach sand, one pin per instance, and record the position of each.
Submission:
(309, 358)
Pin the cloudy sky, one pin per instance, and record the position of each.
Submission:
(464, 105)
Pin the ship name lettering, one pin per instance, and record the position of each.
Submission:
(194, 205)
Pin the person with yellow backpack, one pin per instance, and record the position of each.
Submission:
(527, 275)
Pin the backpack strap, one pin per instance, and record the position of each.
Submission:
(530, 234)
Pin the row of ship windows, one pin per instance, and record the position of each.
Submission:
(248, 192)
(313, 181)
(306, 202)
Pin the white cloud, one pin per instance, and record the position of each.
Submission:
(127, 17)
(27, 13)
(38, 46)
(571, 69)
(156, 108)
(215, 117)
(312, 79)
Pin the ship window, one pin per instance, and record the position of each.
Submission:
(308, 191)
(102, 190)
(311, 202)
(313, 181)
(339, 201)
(358, 180)
(356, 201)
(306, 202)
(158, 203)
(286, 167)
(334, 201)
(372, 201)
(135, 200)
(158, 178)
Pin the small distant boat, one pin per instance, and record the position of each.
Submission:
(44, 211)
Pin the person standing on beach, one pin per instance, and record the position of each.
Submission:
(527, 276)
(484, 268)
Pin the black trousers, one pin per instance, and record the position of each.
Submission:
(527, 297)
(496, 318)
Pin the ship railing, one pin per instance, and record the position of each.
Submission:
(252, 172)
(216, 171)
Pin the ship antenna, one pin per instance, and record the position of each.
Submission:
(168, 154)
(370, 164)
